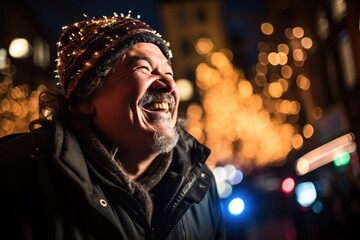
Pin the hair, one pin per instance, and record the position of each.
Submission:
(53, 104)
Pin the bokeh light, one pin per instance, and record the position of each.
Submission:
(288, 185)
(204, 46)
(236, 206)
(305, 193)
(298, 32)
(19, 48)
(185, 88)
(267, 28)
(308, 130)
(303, 82)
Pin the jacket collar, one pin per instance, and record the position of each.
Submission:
(68, 156)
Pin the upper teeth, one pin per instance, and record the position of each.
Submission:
(159, 107)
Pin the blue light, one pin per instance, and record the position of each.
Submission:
(317, 207)
(236, 206)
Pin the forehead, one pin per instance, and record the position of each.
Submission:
(145, 51)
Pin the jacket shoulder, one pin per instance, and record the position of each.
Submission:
(15, 148)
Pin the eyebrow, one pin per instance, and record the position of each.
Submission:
(135, 58)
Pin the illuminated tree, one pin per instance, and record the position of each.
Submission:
(247, 123)
(18, 104)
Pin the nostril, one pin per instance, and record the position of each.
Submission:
(163, 84)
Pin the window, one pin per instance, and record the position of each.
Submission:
(201, 15)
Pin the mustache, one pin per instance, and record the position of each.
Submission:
(150, 97)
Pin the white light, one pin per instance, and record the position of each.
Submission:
(41, 55)
(236, 206)
(185, 88)
(230, 171)
(305, 193)
(19, 48)
(224, 189)
(219, 174)
(3, 54)
(237, 178)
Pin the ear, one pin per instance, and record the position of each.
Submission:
(87, 108)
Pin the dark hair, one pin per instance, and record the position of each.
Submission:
(52, 101)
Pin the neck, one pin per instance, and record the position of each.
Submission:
(135, 163)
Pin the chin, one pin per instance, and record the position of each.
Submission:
(164, 141)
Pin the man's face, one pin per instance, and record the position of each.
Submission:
(139, 101)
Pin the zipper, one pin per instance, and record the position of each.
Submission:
(179, 197)
(183, 228)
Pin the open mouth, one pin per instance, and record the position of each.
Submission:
(158, 106)
(158, 102)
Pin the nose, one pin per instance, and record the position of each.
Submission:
(164, 83)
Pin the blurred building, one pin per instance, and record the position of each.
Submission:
(25, 44)
(333, 62)
(324, 42)
(24, 66)
(313, 49)
(191, 26)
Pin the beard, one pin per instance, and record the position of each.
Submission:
(164, 143)
(164, 140)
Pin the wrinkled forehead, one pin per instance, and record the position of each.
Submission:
(147, 52)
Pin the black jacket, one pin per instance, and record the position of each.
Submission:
(50, 192)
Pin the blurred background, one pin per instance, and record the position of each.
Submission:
(271, 86)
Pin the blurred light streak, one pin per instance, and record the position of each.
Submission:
(339, 10)
(347, 61)
(41, 54)
(322, 24)
(324, 154)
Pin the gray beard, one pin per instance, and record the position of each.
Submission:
(163, 143)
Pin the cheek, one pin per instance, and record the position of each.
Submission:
(107, 107)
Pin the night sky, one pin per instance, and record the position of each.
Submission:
(242, 18)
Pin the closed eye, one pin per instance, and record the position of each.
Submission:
(146, 68)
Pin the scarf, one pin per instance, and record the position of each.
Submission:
(109, 164)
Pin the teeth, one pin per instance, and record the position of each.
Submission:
(159, 107)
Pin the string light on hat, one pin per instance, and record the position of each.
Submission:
(83, 44)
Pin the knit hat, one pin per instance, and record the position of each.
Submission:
(85, 44)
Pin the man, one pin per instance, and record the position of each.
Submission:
(109, 161)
